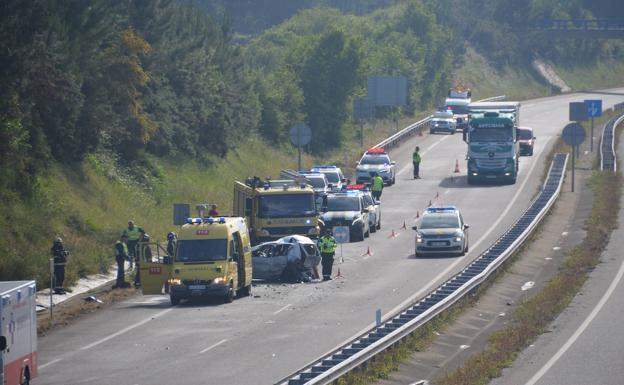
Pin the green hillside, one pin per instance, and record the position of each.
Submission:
(115, 110)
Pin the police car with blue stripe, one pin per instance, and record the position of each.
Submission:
(347, 209)
(441, 230)
(375, 160)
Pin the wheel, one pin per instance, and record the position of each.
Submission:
(531, 152)
(431, 131)
(393, 179)
(470, 180)
(244, 291)
(373, 228)
(175, 301)
(367, 233)
(229, 297)
(358, 237)
(26, 377)
(379, 224)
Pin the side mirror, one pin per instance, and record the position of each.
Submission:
(343, 180)
(414, 228)
(393, 162)
(466, 226)
(534, 138)
(3, 343)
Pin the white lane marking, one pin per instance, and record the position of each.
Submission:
(125, 330)
(282, 309)
(409, 165)
(451, 267)
(49, 363)
(580, 330)
(213, 346)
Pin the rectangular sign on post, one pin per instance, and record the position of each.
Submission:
(181, 211)
(578, 111)
(594, 108)
(387, 90)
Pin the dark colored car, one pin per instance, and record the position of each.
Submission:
(526, 140)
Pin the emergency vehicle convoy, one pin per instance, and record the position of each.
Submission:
(375, 161)
(276, 208)
(18, 332)
(212, 258)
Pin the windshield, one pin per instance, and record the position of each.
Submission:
(201, 250)
(375, 160)
(525, 134)
(332, 177)
(439, 222)
(457, 109)
(342, 203)
(491, 134)
(281, 206)
(316, 181)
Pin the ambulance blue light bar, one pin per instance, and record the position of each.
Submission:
(443, 209)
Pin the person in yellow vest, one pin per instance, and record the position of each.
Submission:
(416, 158)
(134, 235)
(377, 184)
(121, 255)
(327, 246)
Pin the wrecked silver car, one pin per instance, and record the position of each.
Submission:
(289, 259)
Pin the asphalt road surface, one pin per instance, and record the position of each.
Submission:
(262, 338)
(584, 345)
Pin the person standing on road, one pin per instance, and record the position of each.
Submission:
(60, 259)
(327, 246)
(134, 234)
(143, 254)
(416, 161)
(121, 255)
(377, 184)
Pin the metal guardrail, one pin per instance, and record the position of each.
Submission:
(374, 341)
(416, 127)
(608, 159)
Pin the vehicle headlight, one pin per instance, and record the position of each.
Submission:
(419, 238)
(174, 281)
(458, 239)
(219, 280)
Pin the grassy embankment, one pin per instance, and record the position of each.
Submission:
(531, 318)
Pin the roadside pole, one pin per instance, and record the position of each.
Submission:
(51, 286)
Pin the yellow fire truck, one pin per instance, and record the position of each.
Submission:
(276, 208)
(212, 257)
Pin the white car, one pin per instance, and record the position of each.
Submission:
(441, 230)
(347, 209)
(334, 176)
(375, 160)
(443, 121)
(291, 259)
(373, 206)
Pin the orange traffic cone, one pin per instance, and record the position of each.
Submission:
(393, 234)
(368, 252)
(338, 275)
(404, 227)
(456, 166)
(437, 195)
(417, 215)
(420, 133)
(429, 202)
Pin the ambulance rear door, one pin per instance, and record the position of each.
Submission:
(154, 267)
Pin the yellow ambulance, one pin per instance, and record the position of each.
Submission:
(212, 258)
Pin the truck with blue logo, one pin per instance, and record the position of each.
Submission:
(492, 149)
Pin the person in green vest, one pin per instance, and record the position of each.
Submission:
(327, 246)
(121, 255)
(377, 184)
(134, 234)
(416, 161)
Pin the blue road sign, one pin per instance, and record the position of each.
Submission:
(341, 234)
(573, 134)
(578, 111)
(594, 108)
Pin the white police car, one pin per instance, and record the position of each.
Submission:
(375, 160)
(347, 209)
(441, 230)
(334, 175)
(374, 206)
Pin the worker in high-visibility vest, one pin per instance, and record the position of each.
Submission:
(134, 234)
(416, 158)
(377, 185)
(327, 246)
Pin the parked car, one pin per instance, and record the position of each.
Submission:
(291, 259)
(526, 140)
(443, 121)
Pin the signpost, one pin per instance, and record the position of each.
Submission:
(573, 135)
(362, 110)
(341, 235)
(594, 110)
(300, 135)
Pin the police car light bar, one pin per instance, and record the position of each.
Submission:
(321, 166)
(441, 209)
(376, 150)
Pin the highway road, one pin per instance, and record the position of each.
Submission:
(260, 339)
(584, 345)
